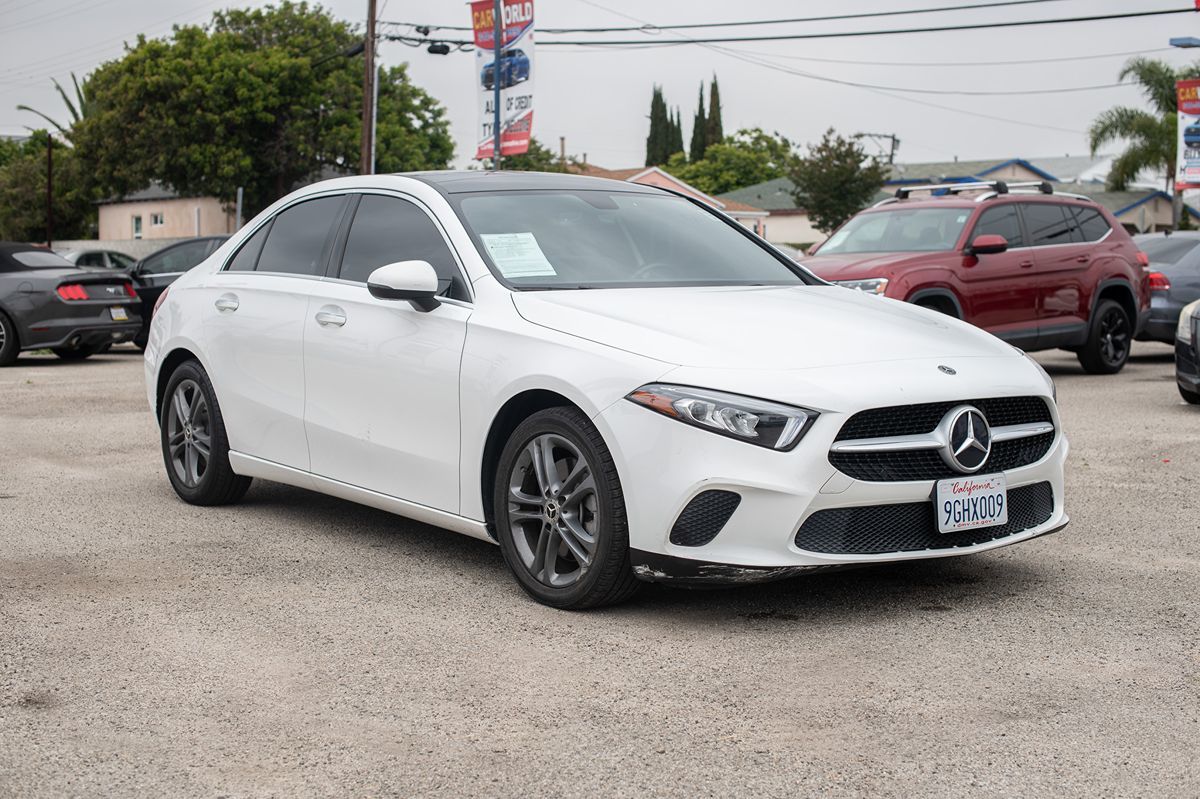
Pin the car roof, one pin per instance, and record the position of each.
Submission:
(464, 181)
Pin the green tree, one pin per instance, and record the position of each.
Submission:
(658, 142)
(538, 158)
(714, 133)
(699, 129)
(23, 192)
(834, 180)
(676, 145)
(748, 157)
(260, 99)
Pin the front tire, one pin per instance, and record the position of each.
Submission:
(1190, 397)
(560, 513)
(10, 343)
(1109, 340)
(194, 445)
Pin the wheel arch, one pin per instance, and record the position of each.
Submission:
(515, 410)
(1121, 291)
(12, 317)
(937, 295)
(167, 367)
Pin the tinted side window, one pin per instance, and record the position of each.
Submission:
(247, 254)
(388, 229)
(1047, 223)
(97, 258)
(1001, 220)
(176, 259)
(1092, 224)
(296, 242)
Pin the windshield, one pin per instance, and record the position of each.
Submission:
(899, 230)
(593, 239)
(41, 259)
(1167, 249)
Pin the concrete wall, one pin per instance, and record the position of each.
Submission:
(791, 227)
(179, 219)
(133, 248)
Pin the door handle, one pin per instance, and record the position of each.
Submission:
(1083, 259)
(227, 303)
(331, 316)
(1026, 264)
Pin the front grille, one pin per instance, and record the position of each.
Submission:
(704, 517)
(912, 465)
(912, 526)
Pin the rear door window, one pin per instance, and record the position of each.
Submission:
(1047, 223)
(299, 237)
(1001, 220)
(386, 230)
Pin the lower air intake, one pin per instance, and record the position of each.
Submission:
(704, 517)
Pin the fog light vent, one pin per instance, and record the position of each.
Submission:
(704, 517)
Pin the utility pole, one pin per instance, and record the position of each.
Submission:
(49, 189)
(366, 167)
(562, 152)
(498, 40)
(890, 137)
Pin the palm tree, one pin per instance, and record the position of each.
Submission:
(1150, 134)
(78, 109)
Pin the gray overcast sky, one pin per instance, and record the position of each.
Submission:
(598, 99)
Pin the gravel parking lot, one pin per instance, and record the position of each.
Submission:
(301, 645)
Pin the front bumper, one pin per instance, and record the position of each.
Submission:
(664, 465)
(1187, 365)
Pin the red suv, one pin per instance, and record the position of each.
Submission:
(1038, 269)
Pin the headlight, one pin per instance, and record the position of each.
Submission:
(874, 285)
(767, 424)
(1183, 331)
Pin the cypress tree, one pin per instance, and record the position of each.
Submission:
(676, 134)
(659, 139)
(714, 134)
(699, 126)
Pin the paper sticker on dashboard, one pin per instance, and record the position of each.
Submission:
(517, 255)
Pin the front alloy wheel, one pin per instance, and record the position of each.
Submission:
(560, 513)
(194, 445)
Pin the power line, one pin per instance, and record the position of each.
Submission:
(651, 28)
(939, 64)
(833, 35)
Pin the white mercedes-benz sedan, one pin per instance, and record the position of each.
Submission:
(613, 382)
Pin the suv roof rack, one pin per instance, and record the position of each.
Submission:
(991, 188)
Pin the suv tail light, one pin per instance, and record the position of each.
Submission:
(1143, 259)
(1159, 282)
(72, 291)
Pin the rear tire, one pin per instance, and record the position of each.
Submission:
(1109, 340)
(194, 445)
(560, 513)
(1190, 397)
(74, 353)
(941, 306)
(10, 342)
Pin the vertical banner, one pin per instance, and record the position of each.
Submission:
(1187, 153)
(514, 72)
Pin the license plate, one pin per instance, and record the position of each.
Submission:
(118, 314)
(965, 503)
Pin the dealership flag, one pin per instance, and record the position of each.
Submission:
(1187, 153)
(515, 73)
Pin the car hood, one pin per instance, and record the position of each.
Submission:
(780, 328)
(853, 266)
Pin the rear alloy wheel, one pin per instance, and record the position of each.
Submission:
(560, 513)
(195, 448)
(1108, 343)
(10, 344)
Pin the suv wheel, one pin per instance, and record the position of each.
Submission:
(1109, 340)
(195, 448)
(560, 513)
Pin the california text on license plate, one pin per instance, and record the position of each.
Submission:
(118, 313)
(965, 503)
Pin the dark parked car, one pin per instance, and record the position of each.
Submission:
(1187, 353)
(1176, 259)
(100, 259)
(1191, 135)
(156, 271)
(46, 301)
(1037, 268)
(514, 68)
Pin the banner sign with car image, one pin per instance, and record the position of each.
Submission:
(514, 72)
(1187, 155)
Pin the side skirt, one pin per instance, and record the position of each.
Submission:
(250, 466)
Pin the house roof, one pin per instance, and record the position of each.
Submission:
(938, 171)
(771, 195)
(633, 175)
(155, 191)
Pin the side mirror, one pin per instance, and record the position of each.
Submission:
(987, 244)
(414, 281)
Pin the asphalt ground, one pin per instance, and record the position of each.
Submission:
(298, 645)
